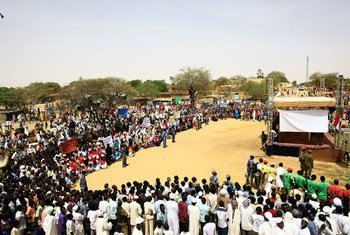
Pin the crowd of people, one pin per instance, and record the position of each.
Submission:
(282, 203)
(37, 166)
(38, 195)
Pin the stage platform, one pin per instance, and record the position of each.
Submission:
(322, 146)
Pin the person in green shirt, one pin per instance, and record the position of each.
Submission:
(287, 178)
(322, 190)
(300, 180)
(311, 185)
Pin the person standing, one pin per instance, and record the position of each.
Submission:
(172, 216)
(279, 171)
(164, 136)
(287, 178)
(183, 212)
(194, 217)
(334, 191)
(83, 183)
(250, 171)
(214, 181)
(102, 225)
(246, 217)
(138, 228)
(322, 190)
(135, 212)
(149, 216)
(204, 211)
(50, 222)
(222, 217)
(209, 227)
(302, 159)
(309, 163)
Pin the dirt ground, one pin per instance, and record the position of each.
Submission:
(223, 146)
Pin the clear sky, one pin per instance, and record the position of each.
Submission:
(63, 40)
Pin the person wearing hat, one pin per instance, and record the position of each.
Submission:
(287, 178)
(50, 222)
(137, 230)
(172, 214)
(102, 225)
(267, 225)
(302, 159)
(194, 217)
(150, 211)
(78, 221)
(135, 211)
(309, 163)
(278, 229)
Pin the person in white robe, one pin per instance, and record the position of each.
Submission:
(194, 217)
(50, 222)
(135, 211)
(150, 211)
(172, 214)
(209, 228)
(102, 225)
(79, 219)
(265, 228)
(278, 229)
(234, 218)
(138, 226)
(289, 225)
(279, 171)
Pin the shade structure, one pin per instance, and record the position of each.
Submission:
(304, 102)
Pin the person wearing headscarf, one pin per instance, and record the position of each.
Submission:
(50, 222)
(79, 219)
(102, 225)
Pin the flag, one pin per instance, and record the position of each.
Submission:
(337, 121)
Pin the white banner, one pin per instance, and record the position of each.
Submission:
(108, 140)
(304, 121)
(146, 122)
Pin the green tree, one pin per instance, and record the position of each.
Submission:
(97, 96)
(330, 79)
(221, 81)
(277, 77)
(257, 90)
(192, 80)
(12, 98)
(42, 92)
(135, 83)
(149, 88)
(294, 83)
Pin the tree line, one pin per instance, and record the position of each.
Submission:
(111, 91)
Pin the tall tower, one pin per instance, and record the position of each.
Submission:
(307, 69)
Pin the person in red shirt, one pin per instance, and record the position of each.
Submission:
(346, 192)
(272, 210)
(334, 191)
(183, 212)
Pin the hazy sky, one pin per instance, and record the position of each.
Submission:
(63, 40)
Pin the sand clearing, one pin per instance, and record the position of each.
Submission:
(223, 146)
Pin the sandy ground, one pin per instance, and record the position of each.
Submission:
(223, 146)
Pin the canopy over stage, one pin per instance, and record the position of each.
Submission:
(304, 102)
(305, 128)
